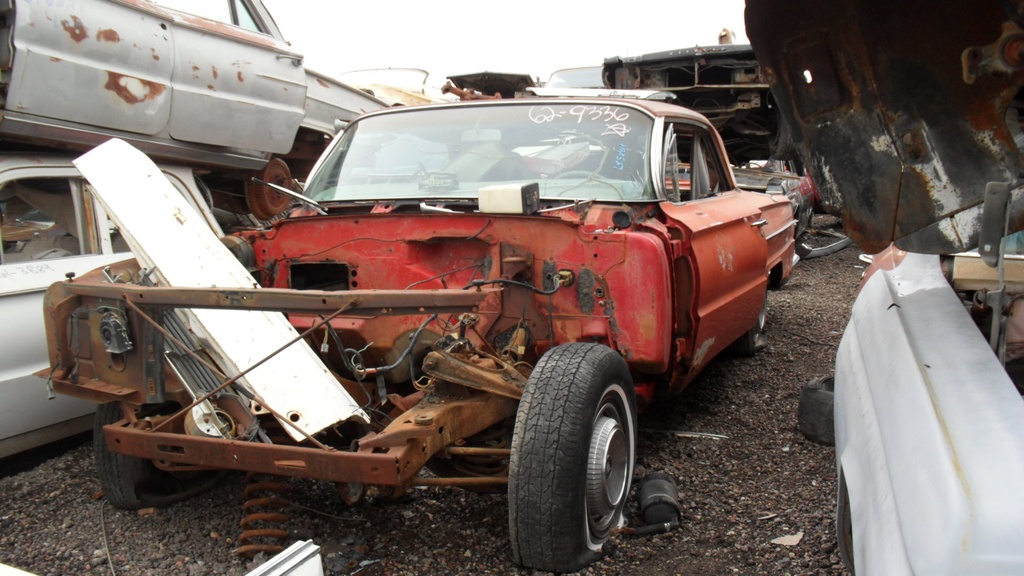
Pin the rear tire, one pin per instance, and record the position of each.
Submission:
(131, 483)
(753, 340)
(844, 526)
(572, 457)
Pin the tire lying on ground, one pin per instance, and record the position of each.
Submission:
(131, 483)
(815, 413)
(572, 457)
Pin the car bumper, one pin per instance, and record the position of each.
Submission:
(928, 432)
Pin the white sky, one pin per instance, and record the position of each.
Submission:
(534, 37)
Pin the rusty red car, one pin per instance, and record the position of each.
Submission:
(495, 288)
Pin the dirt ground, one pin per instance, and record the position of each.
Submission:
(758, 482)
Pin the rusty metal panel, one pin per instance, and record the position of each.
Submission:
(245, 93)
(894, 125)
(355, 303)
(388, 468)
(93, 63)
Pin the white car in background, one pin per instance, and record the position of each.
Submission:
(912, 128)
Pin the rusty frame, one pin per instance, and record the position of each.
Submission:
(391, 458)
(424, 424)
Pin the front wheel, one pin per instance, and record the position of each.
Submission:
(572, 457)
(131, 483)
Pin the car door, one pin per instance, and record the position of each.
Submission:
(721, 274)
(50, 228)
(246, 84)
(152, 70)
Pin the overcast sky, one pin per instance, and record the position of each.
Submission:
(534, 37)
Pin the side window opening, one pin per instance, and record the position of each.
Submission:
(243, 17)
(234, 12)
(42, 219)
(692, 169)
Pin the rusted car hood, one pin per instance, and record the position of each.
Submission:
(903, 107)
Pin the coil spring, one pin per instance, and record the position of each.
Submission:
(263, 516)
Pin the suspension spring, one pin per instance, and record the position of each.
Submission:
(263, 515)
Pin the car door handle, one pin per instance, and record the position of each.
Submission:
(759, 223)
(296, 60)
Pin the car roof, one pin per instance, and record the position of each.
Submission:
(655, 108)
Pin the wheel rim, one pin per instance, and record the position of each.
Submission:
(608, 465)
(762, 316)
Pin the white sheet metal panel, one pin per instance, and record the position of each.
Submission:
(28, 418)
(167, 235)
(929, 432)
(300, 559)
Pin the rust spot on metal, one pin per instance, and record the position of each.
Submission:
(133, 90)
(215, 73)
(75, 29)
(195, 68)
(156, 57)
(322, 83)
(211, 87)
(108, 35)
(241, 77)
(54, 59)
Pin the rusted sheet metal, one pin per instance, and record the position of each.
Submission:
(476, 372)
(468, 93)
(392, 457)
(393, 467)
(892, 129)
(358, 302)
(440, 420)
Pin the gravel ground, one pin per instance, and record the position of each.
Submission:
(761, 482)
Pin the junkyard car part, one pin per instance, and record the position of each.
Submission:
(927, 432)
(131, 483)
(912, 112)
(47, 204)
(658, 498)
(463, 336)
(878, 92)
(723, 82)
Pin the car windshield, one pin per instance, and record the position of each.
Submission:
(571, 150)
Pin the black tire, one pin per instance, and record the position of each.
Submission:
(573, 451)
(782, 146)
(844, 526)
(753, 340)
(815, 417)
(131, 483)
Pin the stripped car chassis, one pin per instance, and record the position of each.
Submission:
(466, 391)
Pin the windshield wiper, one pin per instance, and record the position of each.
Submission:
(439, 203)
